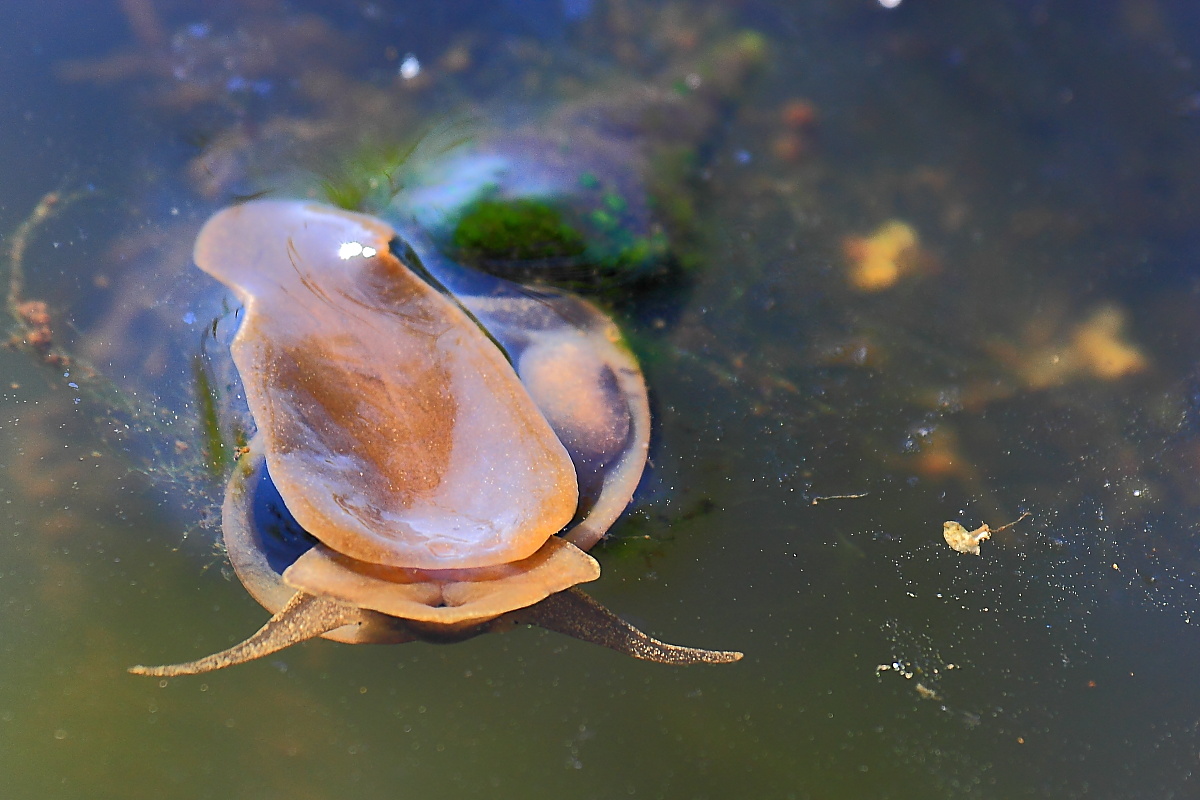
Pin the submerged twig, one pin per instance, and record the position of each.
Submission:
(32, 329)
(823, 497)
(33, 316)
(1024, 514)
(20, 241)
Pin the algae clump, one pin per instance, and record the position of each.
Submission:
(515, 230)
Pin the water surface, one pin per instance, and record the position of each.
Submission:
(812, 436)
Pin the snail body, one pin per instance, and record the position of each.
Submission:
(436, 450)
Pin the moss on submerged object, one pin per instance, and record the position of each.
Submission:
(515, 230)
(587, 244)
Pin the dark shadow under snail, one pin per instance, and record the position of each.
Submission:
(435, 452)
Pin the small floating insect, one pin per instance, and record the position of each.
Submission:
(436, 449)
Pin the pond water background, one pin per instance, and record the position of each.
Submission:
(811, 440)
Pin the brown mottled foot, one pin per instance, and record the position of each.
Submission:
(304, 617)
(573, 613)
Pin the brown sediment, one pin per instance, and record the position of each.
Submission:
(1098, 348)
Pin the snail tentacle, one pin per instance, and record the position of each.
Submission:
(573, 613)
(304, 617)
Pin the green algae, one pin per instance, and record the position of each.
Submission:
(515, 230)
(216, 453)
(590, 245)
(369, 176)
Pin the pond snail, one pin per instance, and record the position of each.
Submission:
(436, 449)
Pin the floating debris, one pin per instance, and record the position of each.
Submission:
(962, 540)
(821, 498)
(965, 541)
(925, 693)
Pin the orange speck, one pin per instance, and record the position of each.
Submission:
(879, 260)
(798, 113)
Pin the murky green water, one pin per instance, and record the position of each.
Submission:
(1035, 354)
